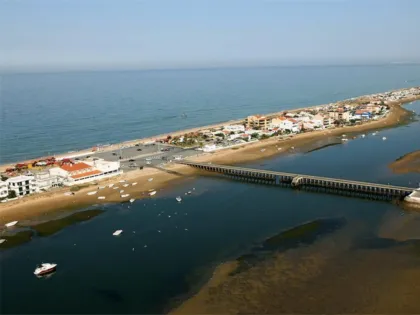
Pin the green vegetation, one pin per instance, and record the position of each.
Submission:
(263, 137)
(12, 194)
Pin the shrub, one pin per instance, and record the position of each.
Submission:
(74, 188)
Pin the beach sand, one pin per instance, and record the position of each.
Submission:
(44, 203)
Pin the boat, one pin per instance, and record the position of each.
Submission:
(363, 135)
(91, 193)
(101, 197)
(116, 187)
(69, 193)
(117, 232)
(101, 187)
(122, 181)
(150, 179)
(179, 199)
(110, 185)
(374, 134)
(189, 192)
(2, 240)
(134, 184)
(152, 193)
(383, 138)
(10, 224)
(121, 191)
(132, 200)
(344, 139)
(44, 269)
(125, 196)
(126, 185)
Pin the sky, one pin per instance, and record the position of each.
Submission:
(149, 34)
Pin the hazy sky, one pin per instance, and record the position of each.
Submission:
(77, 34)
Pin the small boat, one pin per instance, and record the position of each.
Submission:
(110, 185)
(363, 135)
(262, 150)
(91, 193)
(125, 196)
(374, 134)
(101, 187)
(116, 187)
(68, 193)
(121, 191)
(179, 199)
(344, 139)
(126, 185)
(134, 184)
(101, 197)
(2, 240)
(383, 138)
(122, 181)
(151, 189)
(152, 193)
(193, 188)
(132, 200)
(150, 179)
(44, 269)
(10, 224)
(189, 192)
(117, 232)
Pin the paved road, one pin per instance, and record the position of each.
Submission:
(141, 155)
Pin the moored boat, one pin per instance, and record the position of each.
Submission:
(179, 199)
(117, 232)
(125, 195)
(10, 224)
(91, 193)
(132, 200)
(44, 268)
(152, 193)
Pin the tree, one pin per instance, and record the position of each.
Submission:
(254, 135)
(220, 134)
(12, 194)
(263, 137)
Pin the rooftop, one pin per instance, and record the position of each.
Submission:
(75, 167)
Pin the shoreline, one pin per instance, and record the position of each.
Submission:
(44, 203)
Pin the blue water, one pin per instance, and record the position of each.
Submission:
(43, 114)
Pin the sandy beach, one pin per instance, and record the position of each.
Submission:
(44, 203)
(409, 163)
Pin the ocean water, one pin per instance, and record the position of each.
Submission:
(43, 114)
(221, 220)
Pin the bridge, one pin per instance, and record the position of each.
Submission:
(304, 181)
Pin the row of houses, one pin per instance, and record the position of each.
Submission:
(69, 173)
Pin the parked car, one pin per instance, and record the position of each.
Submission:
(131, 160)
(113, 153)
(139, 150)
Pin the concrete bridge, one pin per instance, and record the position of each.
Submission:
(304, 181)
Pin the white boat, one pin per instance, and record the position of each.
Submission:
(91, 193)
(125, 196)
(44, 269)
(383, 138)
(116, 187)
(132, 200)
(150, 179)
(110, 185)
(189, 192)
(134, 184)
(2, 240)
(10, 224)
(117, 232)
(152, 193)
(122, 181)
(344, 139)
(179, 199)
(101, 197)
(101, 187)
(126, 185)
(363, 135)
(121, 191)
(374, 134)
(69, 193)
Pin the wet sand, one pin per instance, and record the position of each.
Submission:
(409, 163)
(41, 204)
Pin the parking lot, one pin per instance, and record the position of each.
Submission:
(142, 155)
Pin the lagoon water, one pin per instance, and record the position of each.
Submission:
(219, 221)
(43, 114)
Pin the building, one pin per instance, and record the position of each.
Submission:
(234, 128)
(84, 172)
(22, 185)
(258, 122)
(49, 179)
(4, 190)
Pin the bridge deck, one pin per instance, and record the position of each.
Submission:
(320, 178)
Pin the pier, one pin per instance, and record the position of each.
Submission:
(309, 182)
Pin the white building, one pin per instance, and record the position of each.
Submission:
(234, 128)
(84, 172)
(22, 185)
(50, 178)
(4, 190)
(209, 147)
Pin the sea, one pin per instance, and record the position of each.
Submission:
(168, 250)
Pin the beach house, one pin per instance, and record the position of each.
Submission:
(22, 185)
(258, 122)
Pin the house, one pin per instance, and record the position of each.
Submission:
(209, 147)
(49, 179)
(22, 185)
(257, 121)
